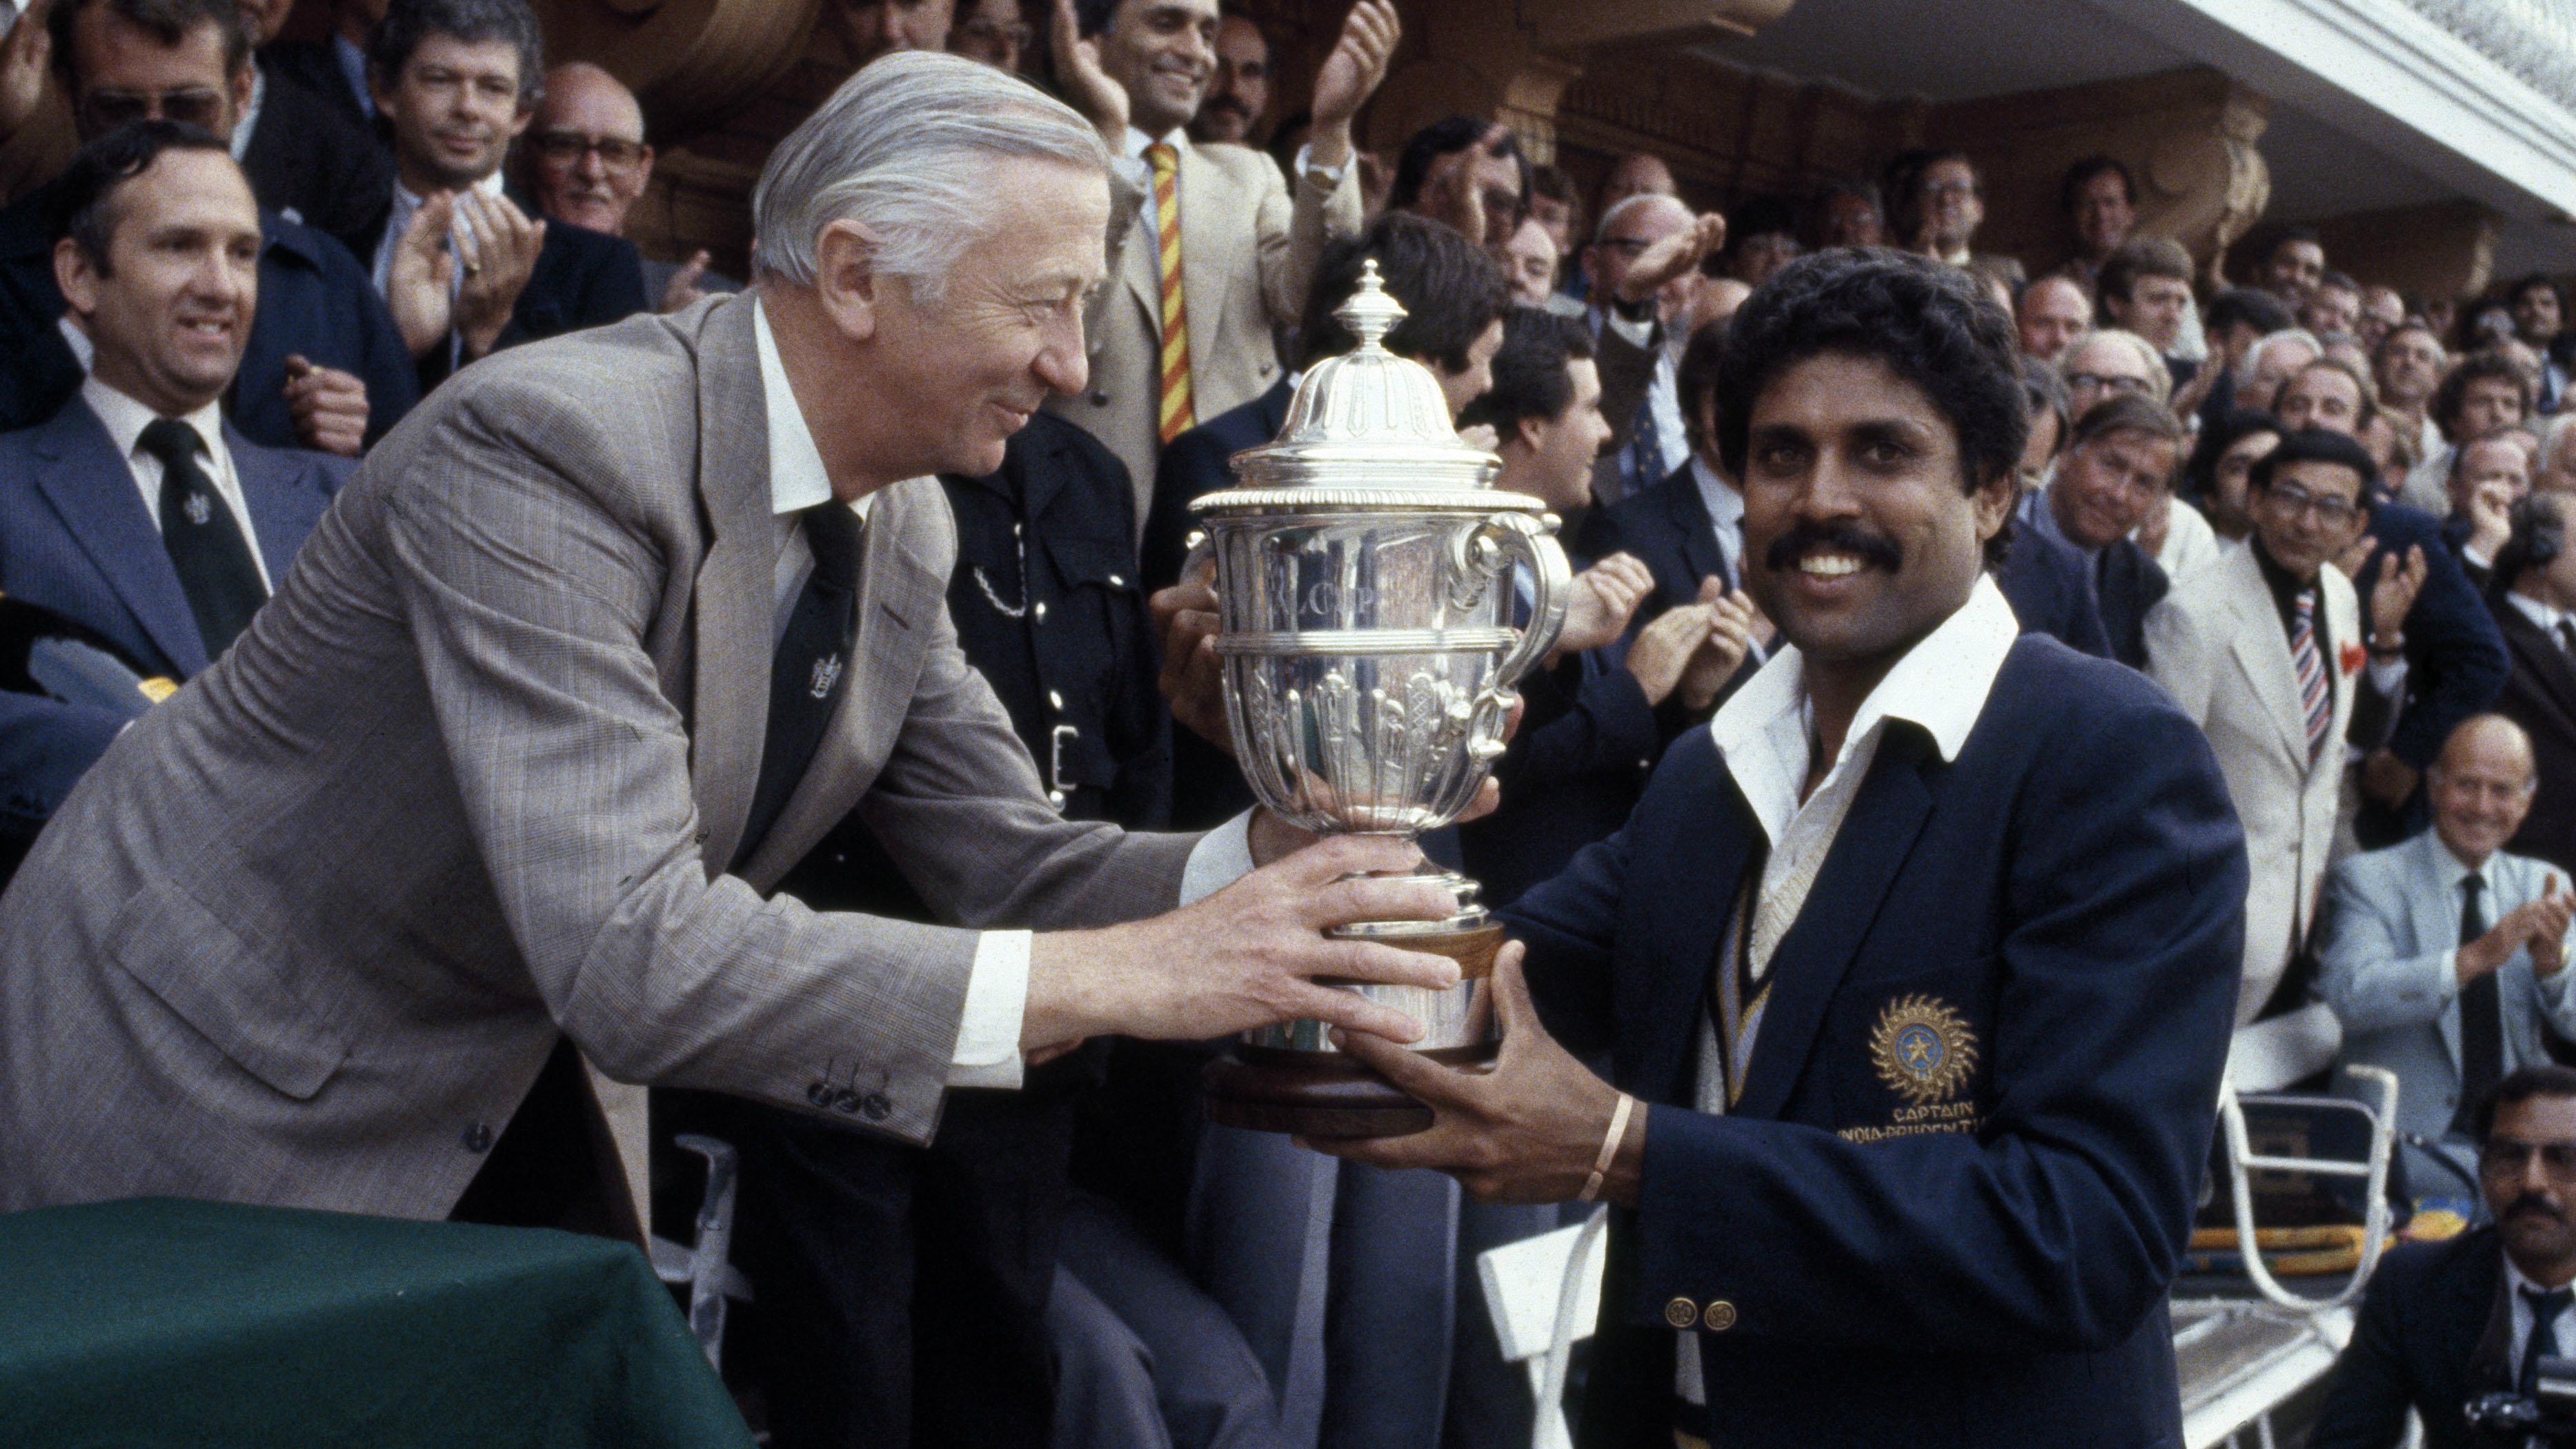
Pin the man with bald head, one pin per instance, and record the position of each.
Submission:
(1637, 173)
(2054, 312)
(2444, 955)
(586, 160)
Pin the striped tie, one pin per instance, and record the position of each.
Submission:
(1176, 417)
(2313, 694)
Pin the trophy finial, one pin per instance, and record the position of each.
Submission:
(1370, 313)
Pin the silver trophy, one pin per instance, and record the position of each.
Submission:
(1378, 600)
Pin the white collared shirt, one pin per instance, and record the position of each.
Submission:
(1725, 515)
(125, 420)
(987, 1053)
(2515, 1285)
(1133, 166)
(1765, 733)
(249, 121)
(2539, 613)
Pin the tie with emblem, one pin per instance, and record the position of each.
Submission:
(810, 671)
(1642, 466)
(214, 563)
(1176, 414)
(2481, 1017)
(2314, 695)
(2543, 1343)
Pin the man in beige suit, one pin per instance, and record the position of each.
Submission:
(2265, 651)
(591, 651)
(1218, 249)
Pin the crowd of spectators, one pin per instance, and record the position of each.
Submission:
(2328, 516)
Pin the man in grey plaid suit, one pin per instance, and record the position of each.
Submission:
(519, 747)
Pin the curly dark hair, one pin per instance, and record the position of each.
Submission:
(1931, 324)
(1532, 371)
(2454, 390)
(1450, 289)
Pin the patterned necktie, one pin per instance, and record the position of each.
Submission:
(2481, 1017)
(214, 563)
(810, 672)
(2543, 1343)
(1642, 466)
(2314, 696)
(1176, 410)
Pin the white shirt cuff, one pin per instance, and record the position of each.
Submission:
(1222, 857)
(2388, 676)
(2469, 554)
(1635, 334)
(997, 997)
(1330, 175)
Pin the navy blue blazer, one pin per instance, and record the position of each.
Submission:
(2043, 579)
(2434, 1332)
(315, 301)
(1873, 1256)
(1195, 465)
(1666, 528)
(2455, 659)
(2127, 583)
(76, 538)
(582, 278)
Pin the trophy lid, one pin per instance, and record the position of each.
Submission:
(1366, 429)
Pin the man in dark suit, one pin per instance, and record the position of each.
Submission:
(2535, 611)
(1197, 463)
(1914, 974)
(138, 510)
(325, 367)
(460, 263)
(2115, 462)
(334, 69)
(308, 160)
(2446, 1323)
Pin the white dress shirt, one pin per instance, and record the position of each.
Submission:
(1765, 735)
(1139, 172)
(987, 1053)
(249, 121)
(2541, 614)
(2565, 1324)
(125, 420)
(2190, 543)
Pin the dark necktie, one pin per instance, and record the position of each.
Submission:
(214, 563)
(810, 671)
(2543, 1343)
(2481, 1016)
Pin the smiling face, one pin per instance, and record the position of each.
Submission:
(170, 312)
(1163, 52)
(1859, 531)
(2105, 485)
(967, 369)
(2103, 214)
(2310, 513)
(2295, 269)
(2481, 787)
(587, 160)
(455, 109)
(1239, 88)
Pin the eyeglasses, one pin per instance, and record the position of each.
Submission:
(104, 111)
(568, 147)
(2104, 382)
(2293, 500)
(2504, 1157)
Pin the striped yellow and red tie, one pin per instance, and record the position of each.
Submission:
(1176, 411)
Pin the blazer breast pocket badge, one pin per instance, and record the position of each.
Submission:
(1925, 1052)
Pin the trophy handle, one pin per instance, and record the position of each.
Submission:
(1511, 536)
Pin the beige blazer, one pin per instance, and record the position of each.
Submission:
(308, 931)
(1247, 254)
(2218, 646)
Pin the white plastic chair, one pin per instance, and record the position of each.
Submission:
(1545, 1294)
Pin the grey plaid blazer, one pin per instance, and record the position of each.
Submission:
(308, 931)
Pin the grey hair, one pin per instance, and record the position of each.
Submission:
(903, 148)
(2159, 376)
(2261, 345)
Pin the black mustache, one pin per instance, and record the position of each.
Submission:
(1838, 536)
(2534, 1204)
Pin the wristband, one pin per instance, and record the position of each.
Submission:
(1609, 1149)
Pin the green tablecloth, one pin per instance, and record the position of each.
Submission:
(165, 1322)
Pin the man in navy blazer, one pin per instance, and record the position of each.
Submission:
(463, 267)
(1914, 973)
(80, 534)
(2445, 1323)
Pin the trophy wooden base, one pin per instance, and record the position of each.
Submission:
(1327, 1094)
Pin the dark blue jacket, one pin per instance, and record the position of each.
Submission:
(2127, 583)
(2455, 659)
(1666, 528)
(76, 538)
(314, 301)
(1987, 1265)
(2043, 580)
(1196, 465)
(2433, 1334)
